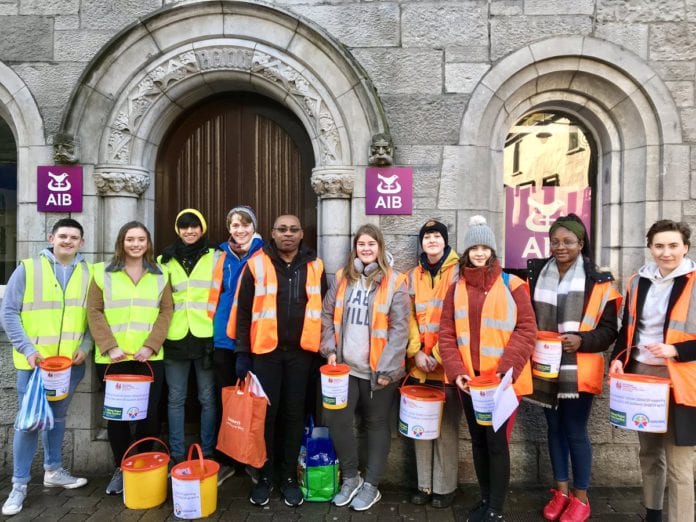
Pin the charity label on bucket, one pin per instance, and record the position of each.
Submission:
(187, 498)
(639, 402)
(482, 393)
(334, 386)
(55, 373)
(125, 399)
(420, 412)
(546, 359)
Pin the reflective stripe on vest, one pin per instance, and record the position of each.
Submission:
(591, 365)
(264, 315)
(379, 319)
(498, 321)
(681, 327)
(130, 310)
(54, 321)
(428, 301)
(191, 295)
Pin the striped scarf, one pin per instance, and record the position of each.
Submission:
(559, 307)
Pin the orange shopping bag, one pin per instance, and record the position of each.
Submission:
(241, 433)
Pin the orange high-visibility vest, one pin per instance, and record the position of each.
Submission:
(680, 328)
(379, 320)
(498, 321)
(428, 301)
(264, 316)
(216, 286)
(591, 365)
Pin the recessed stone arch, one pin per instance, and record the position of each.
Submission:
(154, 70)
(625, 105)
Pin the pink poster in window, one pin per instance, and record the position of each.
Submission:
(389, 190)
(529, 213)
(59, 188)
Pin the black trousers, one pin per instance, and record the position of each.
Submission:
(124, 433)
(284, 374)
(491, 457)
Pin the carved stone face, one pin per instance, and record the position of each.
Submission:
(65, 149)
(381, 151)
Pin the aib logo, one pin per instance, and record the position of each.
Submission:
(132, 412)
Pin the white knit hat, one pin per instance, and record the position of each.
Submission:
(479, 233)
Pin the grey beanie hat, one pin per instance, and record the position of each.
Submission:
(479, 233)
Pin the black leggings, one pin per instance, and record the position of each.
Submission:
(120, 436)
(491, 457)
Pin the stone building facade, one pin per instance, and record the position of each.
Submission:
(446, 79)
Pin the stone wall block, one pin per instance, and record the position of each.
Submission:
(509, 33)
(598, 426)
(170, 33)
(49, 7)
(426, 181)
(530, 424)
(467, 53)
(424, 203)
(26, 38)
(629, 36)
(357, 25)
(619, 466)
(640, 10)
(671, 209)
(464, 77)
(674, 70)
(66, 22)
(50, 84)
(411, 155)
(9, 9)
(633, 234)
(671, 40)
(28, 158)
(676, 165)
(106, 14)
(404, 248)
(688, 124)
(79, 46)
(506, 7)
(91, 456)
(240, 25)
(559, 7)
(403, 71)
(524, 462)
(422, 23)
(425, 120)
(682, 92)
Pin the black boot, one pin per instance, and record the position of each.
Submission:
(653, 515)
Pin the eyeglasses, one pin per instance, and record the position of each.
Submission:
(285, 230)
(567, 244)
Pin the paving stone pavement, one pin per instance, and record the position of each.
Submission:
(91, 504)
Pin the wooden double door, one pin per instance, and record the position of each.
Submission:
(236, 149)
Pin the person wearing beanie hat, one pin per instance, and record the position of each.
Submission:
(242, 243)
(190, 262)
(492, 331)
(570, 294)
(437, 269)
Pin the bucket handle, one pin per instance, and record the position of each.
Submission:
(123, 459)
(403, 383)
(152, 373)
(201, 461)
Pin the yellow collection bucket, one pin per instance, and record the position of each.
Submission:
(194, 486)
(145, 477)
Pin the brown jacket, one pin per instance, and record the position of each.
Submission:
(521, 345)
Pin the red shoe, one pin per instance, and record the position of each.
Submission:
(556, 506)
(576, 511)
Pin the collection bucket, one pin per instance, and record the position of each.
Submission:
(194, 486)
(482, 391)
(546, 359)
(334, 385)
(55, 373)
(126, 395)
(145, 477)
(420, 412)
(639, 402)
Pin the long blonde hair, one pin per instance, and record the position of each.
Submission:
(350, 271)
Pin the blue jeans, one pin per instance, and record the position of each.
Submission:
(26, 443)
(177, 372)
(567, 436)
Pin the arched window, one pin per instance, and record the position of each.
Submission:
(550, 161)
(8, 202)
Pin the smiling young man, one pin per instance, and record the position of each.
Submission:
(43, 314)
(278, 332)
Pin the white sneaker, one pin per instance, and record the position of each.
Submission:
(349, 488)
(61, 478)
(15, 501)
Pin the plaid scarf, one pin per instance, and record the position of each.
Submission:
(559, 307)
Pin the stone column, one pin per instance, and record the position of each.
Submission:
(121, 186)
(334, 186)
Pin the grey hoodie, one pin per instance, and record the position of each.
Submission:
(14, 299)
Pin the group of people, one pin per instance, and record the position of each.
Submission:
(267, 307)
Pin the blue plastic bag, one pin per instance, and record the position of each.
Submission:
(35, 414)
(317, 464)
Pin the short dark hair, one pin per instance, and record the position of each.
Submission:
(67, 222)
(667, 225)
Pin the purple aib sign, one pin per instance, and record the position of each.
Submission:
(59, 188)
(388, 190)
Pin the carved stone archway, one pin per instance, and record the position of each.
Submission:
(142, 80)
